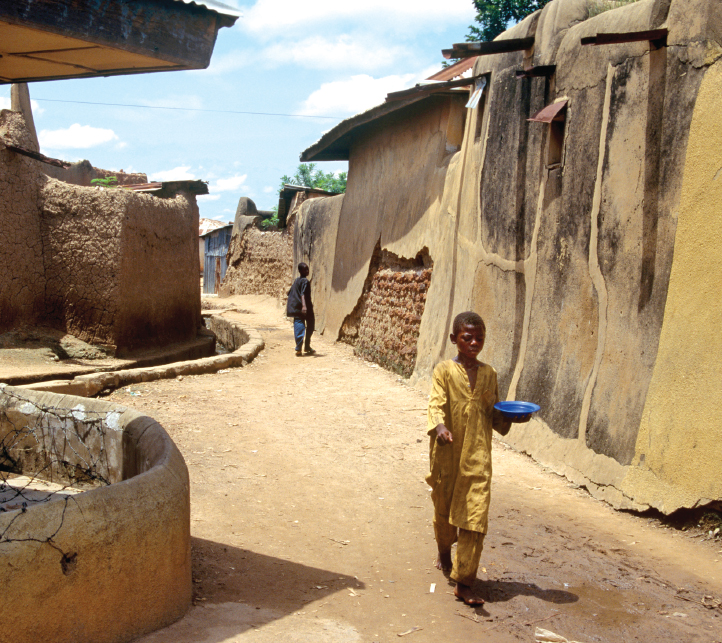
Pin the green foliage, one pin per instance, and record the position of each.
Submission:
(107, 182)
(308, 176)
(495, 16)
(273, 221)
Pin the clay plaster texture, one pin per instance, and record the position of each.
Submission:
(259, 262)
(118, 564)
(565, 238)
(112, 267)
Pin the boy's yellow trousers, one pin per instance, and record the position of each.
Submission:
(469, 545)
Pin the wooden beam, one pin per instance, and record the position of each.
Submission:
(36, 155)
(658, 37)
(468, 49)
(172, 31)
(543, 71)
(430, 89)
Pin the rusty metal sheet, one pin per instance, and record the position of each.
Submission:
(452, 71)
(549, 113)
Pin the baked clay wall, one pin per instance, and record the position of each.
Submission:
(570, 263)
(259, 263)
(112, 267)
(384, 325)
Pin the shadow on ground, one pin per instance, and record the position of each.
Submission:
(223, 573)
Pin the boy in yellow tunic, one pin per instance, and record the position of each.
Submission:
(461, 417)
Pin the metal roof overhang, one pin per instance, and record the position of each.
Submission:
(335, 144)
(58, 39)
(549, 113)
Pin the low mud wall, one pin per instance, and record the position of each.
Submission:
(244, 343)
(259, 263)
(106, 565)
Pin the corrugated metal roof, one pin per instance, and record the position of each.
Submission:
(218, 7)
(206, 225)
(454, 71)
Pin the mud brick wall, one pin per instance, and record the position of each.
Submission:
(384, 325)
(112, 267)
(259, 263)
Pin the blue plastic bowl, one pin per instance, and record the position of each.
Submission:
(516, 410)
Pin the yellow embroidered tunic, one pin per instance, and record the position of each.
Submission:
(460, 476)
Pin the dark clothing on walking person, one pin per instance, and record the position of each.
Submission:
(300, 307)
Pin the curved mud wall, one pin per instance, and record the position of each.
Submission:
(567, 253)
(106, 565)
(111, 267)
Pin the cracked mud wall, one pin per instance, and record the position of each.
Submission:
(569, 264)
(112, 267)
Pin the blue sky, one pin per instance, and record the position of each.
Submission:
(314, 58)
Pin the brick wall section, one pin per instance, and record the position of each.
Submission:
(259, 263)
(384, 325)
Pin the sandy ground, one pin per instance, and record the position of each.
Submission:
(311, 520)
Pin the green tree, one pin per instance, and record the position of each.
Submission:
(308, 176)
(495, 16)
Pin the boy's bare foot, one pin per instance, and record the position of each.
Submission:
(443, 561)
(466, 594)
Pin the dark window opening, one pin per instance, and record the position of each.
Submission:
(555, 146)
(481, 108)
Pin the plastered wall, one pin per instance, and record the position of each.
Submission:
(112, 563)
(570, 263)
(111, 267)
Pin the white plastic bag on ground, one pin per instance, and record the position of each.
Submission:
(545, 636)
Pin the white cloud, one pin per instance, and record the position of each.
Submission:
(224, 63)
(270, 17)
(209, 197)
(37, 110)
(233, 183)
(355, 94)
(180, 173)
(268, 189)
(77, 137)
(344, 52)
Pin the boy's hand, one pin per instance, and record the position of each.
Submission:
(303, 312)
(443, 435)
(522, 419)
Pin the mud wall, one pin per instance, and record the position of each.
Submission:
(567, 253)
(259, 263)
(22, 275)
(111, 267)
(82, 173)
(384, 325)
(114, 563)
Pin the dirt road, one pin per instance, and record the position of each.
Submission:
(311, 520)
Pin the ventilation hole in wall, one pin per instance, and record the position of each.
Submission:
(384, 325)
(68, 563)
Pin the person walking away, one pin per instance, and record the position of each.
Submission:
(300, 307)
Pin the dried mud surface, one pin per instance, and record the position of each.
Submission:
(311, 520)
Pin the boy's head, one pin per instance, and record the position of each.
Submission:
(303, 269)
(468, 334)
